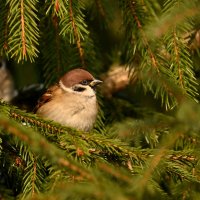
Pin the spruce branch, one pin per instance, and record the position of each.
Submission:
(151, 65)
(95, 144)
(181, 63)
(73, 25)
(77, 36)
(39, 144)
(23, 29)
(104, 153)
(143, 36)
(174, 13)
(157, 64)
(34, 175)
(68, 39)
(146, 155)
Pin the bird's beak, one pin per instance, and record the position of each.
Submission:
(94, 83)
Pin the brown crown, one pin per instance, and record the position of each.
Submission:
(75, 76)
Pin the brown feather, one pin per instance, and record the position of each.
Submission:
(46, 97)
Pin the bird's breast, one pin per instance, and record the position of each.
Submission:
(79, 113)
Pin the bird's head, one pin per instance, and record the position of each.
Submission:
(80, 82)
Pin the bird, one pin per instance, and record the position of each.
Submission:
(72, 101)
(7, 88)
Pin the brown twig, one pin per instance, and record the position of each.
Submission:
(77, 37)
(145, 41)
(23, 30)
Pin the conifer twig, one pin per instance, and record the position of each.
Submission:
(23, 30)
(77, 37)
(44, 145)
(145, 41)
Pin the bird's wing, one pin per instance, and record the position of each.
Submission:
(46, 97)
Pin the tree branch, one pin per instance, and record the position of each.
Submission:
(77, 37)
(23, 30)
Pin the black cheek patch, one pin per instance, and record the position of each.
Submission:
(79, 89)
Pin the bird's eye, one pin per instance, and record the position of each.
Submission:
(84, 82)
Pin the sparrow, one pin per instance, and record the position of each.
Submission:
(72, 101)
(7, 89)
